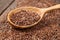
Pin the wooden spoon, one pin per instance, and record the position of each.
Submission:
(40, 11)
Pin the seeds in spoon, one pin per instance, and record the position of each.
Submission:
(23, 18)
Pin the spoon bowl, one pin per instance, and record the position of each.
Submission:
(40, 11)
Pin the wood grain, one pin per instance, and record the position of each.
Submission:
(4, 5)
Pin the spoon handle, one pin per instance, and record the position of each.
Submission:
(52, 7)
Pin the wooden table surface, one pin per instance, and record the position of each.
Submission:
(4, 5)
(5, 10)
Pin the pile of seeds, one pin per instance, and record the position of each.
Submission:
(23, 18)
